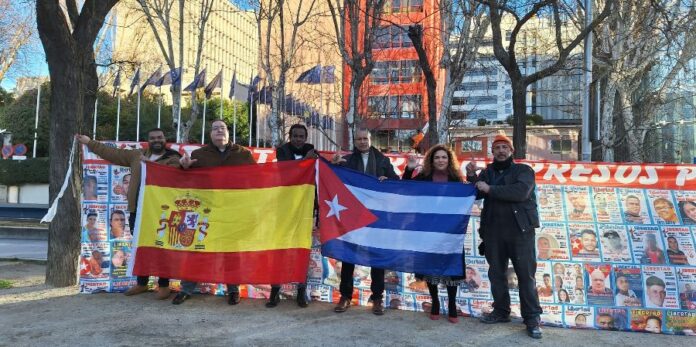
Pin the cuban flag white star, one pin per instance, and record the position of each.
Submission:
(335, 208)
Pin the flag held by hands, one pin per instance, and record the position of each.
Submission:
(408, 226)
(243, 224)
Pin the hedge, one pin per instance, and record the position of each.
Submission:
(16, 172)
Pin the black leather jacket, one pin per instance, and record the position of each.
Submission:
(517, 192)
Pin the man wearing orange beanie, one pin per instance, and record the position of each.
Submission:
(508, 221)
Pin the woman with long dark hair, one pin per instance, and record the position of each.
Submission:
(439, 165)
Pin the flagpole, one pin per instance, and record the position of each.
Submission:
(159, 107)
(36, 122)
(222, 92)
(178, 118)
(94, 121)
(137, 118)
(234, 119)
(118, 113)
(251, 114)
(257, 129)
(205, 104)
(321, 106)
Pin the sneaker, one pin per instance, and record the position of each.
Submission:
(180, 298)
(135, 290)
(342, 306)
(493, 318)
(377, 307)
(163, 293)
(233, 299)
(534, 331)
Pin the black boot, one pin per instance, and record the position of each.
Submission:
(302, 296)
(274, 299)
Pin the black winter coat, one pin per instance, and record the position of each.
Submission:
(517, 192)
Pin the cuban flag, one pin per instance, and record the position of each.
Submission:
(408, 226)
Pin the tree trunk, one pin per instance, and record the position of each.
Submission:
(519, 113)
(444, 121)
(70, 57)
(607, 135)
(352, 116)
(634, 135)
(64, 230)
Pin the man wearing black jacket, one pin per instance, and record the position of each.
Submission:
(508, 221)
(369, 160)
(296, 149)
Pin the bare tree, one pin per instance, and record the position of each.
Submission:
(279, 23)
(68, 37)
(357, 24)
(201, 20)
(416, 34)
(640, 44)
(463, 26)
(168, 30)
(15, 32)
(564, 43)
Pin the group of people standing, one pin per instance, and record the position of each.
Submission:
(508, 218)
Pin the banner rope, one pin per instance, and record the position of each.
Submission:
(54, 206)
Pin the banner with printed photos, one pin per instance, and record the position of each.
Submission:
(616, 247)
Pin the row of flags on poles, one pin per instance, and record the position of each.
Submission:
(316, 75)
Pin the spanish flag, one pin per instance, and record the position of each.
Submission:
(249, 224)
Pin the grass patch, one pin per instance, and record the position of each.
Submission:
(4, 284)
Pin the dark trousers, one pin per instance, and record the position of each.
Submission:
(346, 287)
(521, 252)
(143, 280)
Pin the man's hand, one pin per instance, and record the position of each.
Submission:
(337, 159)
(186, 161)
(311, 155)
(84, 139)
(382, 178)
(483, 186)
(412, 161)
(471, 168)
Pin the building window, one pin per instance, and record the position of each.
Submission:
(394, 106)
(471, 86)
(481, 71)
(481, 100)
(469, 146)
(394, 72)
(403, 6)
(391, 36)
(561, 146)
(486, 114)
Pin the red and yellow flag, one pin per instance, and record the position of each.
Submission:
(248, 224)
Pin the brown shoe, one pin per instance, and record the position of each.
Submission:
(377, 307)
(163, 293)
(135, 290)
(343, 305)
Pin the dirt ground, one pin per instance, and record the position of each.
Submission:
(33, 314)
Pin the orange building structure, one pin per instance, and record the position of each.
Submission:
(393, 99)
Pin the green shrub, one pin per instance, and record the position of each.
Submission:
(16, 172)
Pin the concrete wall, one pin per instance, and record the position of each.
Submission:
(24, 194)
(33, 194)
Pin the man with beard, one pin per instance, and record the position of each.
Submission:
(508, 221)
(369, 160)
(156, 152)
(220, 152)
(296, 149)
